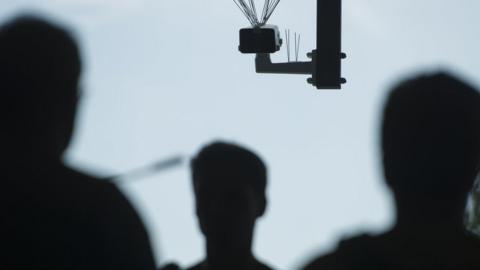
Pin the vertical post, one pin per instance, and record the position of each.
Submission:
(327, 73)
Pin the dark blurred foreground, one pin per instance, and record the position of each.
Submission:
(54, 217)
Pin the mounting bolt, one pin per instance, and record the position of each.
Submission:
(343, 80)
(310, 80)
(310, 55)
(343, 55)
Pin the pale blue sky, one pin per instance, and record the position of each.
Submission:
(164, 77)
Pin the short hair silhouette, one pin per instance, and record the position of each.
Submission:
(54, 217)
(39, 72)
(229, 183)
(242, 165)
(431, 155)
(431, 137)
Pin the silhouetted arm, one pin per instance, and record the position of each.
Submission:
(128, 241)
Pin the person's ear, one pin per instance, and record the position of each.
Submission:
(387, 171)
(200, 218)
(262, 206)
(79, 94)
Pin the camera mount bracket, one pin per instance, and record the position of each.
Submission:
(325, 65)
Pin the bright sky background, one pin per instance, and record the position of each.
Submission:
(164, 77)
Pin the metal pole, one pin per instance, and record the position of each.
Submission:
(327, 73)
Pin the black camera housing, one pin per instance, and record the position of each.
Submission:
(265, 39)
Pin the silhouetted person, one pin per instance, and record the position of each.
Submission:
(229, 185)
(431, 149)
(170, 266)
(53, 217)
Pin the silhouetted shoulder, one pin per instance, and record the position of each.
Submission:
(389, 252)
(258, 266)
(263, 266)
(65, 214)
(350, 254)
(170, 266)
(198, 266)
(471, 251)
(124, 232)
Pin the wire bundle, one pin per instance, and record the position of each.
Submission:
(250, 11)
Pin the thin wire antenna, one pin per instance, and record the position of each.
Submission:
(297, 46)
(254, 11)
(265, 10)
(245, 10)
(272, 8)
(249, 10)
(287, 37)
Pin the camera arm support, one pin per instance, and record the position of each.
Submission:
(263, 64)
(325, 66)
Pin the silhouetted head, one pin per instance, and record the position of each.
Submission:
(39, 73)
(229, 184)
(431, 139)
